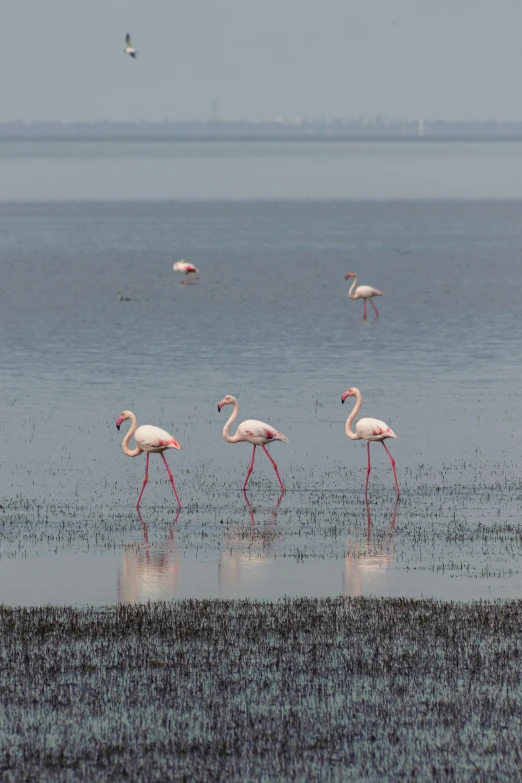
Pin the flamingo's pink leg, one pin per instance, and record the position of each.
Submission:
(393, 466)
(369, 466)
(145, 528)
(275, 467)
(279, 499)
(189, 280)
(376, 311)
(250, 508)
(147, 455)
(364, 311)
(250, 469)
(394, 513)
(171, 478)
(171, 529)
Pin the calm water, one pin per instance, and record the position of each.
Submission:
(271, 323)
(227, 170)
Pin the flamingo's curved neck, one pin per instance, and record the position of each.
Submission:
(351, 292)
(128, 436)
(351, 417)
(226, 434)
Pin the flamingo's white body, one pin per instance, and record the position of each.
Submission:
(151, 440)
(251, 431)
(187, 269)
(129, 48)
(365, 292)
(368, 430)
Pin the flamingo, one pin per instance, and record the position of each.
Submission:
(151, 440)
(129, 48)
(368, 430)
(362, 292)
(251, 431)
(187, 269)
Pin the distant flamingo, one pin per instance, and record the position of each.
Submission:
(368, 430)
(187, 269)
(362, 292)
(152, 440)
(251, 431)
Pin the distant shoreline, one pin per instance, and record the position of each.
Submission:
(378, 129)
(251, 138)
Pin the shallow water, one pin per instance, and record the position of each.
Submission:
(219, 169)
(271, 323)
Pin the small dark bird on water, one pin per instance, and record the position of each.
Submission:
(123, 298)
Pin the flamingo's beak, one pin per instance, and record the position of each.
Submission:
(119, 421)
(219, 407)
(343, 397)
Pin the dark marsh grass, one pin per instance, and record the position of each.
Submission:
(305, 689)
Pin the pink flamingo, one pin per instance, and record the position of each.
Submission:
(187, 269)
(151, 440)
(251, 431)
(368, 430)
(362, 292)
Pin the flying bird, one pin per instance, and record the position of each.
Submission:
(187, 269)
(368, 430)
(362, 292)
(251, 431)
(129, 48)
(151, 440)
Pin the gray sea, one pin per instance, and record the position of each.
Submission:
(273, 228)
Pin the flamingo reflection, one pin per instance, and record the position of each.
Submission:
(149, 569)
(247, 551)
(251, 508)
(365, 560)
(393, 517)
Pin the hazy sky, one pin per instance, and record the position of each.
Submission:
(446, 59)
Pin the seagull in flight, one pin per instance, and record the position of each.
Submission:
(129, 48)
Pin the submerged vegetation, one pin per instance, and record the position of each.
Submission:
(305, 689)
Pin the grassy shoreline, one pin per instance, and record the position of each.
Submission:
(302, 689)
